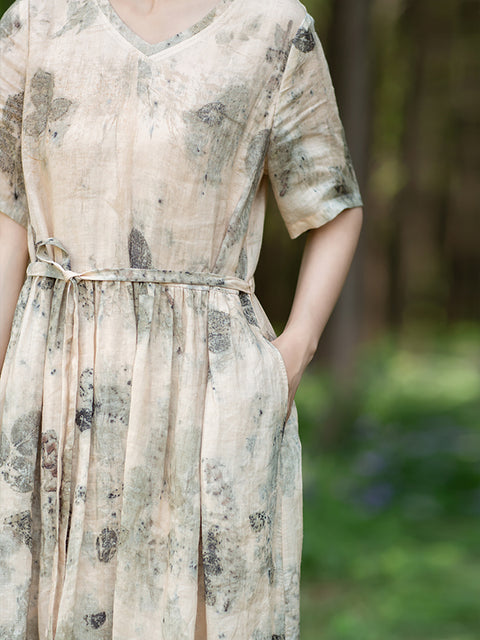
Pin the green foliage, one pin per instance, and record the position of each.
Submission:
(392, 507)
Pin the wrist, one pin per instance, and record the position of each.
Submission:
(302, 341)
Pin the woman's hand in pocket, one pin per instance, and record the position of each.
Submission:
(295, 358)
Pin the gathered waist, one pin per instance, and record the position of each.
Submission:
(44, 266)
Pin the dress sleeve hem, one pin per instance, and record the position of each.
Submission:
(18, 214)
(321, 217)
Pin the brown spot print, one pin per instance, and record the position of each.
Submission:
(278, 55)
(106, 544)
(86, 299)
(271, 87)
(10, 143)
(84, 413)
(210, 556)
(344, 182)
(86, 383)
(115, 493)
(138, 250)
(46, 283)
(83, 419)
(340, 186)
(247, 308)
(18, 454)
(261, 522)
(21, 526)
(80, 15)
(213, 113)
(47, 108)
(218, 331)
(211, 562)
(49, 456)
(95, 620)
(304, 40)
(257, 520)
(80, 494)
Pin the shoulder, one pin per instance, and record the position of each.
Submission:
(37, 10)
(14, 27)
(283, 11)
(283, 21)
(14, 15)
(46, 10)
(49, 18)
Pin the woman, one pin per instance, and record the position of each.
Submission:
(151, 472)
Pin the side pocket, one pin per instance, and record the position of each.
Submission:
(254, 325)
(283, 371)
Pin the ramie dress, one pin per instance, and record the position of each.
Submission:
(142, 404)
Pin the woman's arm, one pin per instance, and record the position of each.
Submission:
(13, 264)
(326, 260)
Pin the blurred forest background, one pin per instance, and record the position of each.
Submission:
(389, 407)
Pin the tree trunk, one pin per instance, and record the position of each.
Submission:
(348, 56)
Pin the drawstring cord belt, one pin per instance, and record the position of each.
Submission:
(45, 266)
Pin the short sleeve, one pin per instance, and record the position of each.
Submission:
(13, 56)
(308, 161)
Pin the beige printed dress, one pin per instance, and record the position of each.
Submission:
(142, 403)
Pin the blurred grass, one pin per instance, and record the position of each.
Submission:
(392, 502)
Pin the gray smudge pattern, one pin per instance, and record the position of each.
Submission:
(157, 410)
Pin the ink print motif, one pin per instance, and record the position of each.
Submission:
(143, 406)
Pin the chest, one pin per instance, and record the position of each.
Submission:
(158, 20)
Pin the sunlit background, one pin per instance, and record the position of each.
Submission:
(389, 408)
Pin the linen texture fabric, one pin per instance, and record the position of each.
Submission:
(142, 403)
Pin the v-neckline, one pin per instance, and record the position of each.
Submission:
(149, 49)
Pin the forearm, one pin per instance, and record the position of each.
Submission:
(326, 260)
(13, 263)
